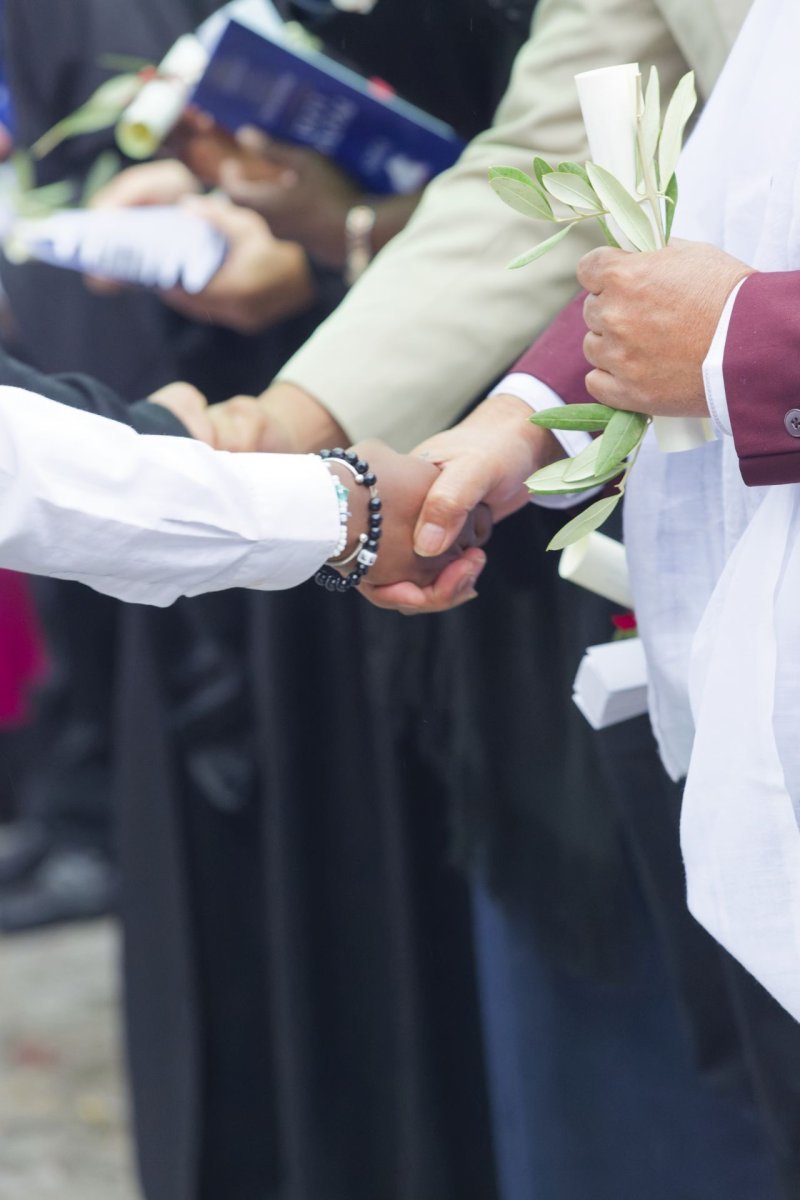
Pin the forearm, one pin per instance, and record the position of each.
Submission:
(438, 317)
(149, 519)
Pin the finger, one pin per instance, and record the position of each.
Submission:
(595, 350)
(460, 486)
(455, 586)
(593, 267)
(592, 313)
(477, 528)
(257, 143)
(103, 287)
(605, 389)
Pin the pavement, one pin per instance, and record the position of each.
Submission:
(63, 1123)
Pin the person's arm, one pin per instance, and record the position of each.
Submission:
(437, 317)
(760, 372)
(149, 519)
(90, 395)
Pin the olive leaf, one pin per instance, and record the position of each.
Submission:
(520, 192)
(622, 207)
(622, 434)
(104, 168)
(583, 467)
(101, 110)
(573, 168)
(573, 190)
(679, 110)
(531, 255)
(651, 116)
(551, 481)
(22, 165)
(608, 235)
(540, 169)
(589, 417)
(671, 197)
(586, 522)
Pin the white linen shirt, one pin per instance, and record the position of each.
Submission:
(147, 518)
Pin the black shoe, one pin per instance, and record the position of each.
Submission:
(69, 885)
(23, 847)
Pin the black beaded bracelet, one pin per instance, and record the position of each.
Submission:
(366, 551)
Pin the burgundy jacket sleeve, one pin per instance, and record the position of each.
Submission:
(761, 368)
(557, 356)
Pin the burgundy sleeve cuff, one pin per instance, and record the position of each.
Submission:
(761, 369)
(557, 356)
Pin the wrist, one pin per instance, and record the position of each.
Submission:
(510, 417)
(306, 424)
(358, 506)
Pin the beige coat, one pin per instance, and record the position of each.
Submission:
(437, 318)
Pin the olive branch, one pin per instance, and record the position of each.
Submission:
(644, 219)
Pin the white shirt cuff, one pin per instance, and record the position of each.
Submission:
(539, 396)
(713, 377)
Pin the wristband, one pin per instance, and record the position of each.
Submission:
(358, 226)
(365, 553)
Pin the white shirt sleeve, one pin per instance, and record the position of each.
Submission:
(147, 518)
(539, 396)
(713, 377)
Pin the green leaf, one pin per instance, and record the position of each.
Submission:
(41, 202)
(540, 169)
(102, 171)
(590, 417)
(651, 117)
(583, 465)
(585, 523)
(679, 110)
(101, 110)
(552, 481)
(622, 207)
(671, 197)
(623, 433)
(22, 164)
(520, 192)
(539, 251)
(607, 234)
(573, 168)
(572, 190)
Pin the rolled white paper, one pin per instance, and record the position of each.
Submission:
(609, 99)
(148, 119)
(598, 564)
(611, 683)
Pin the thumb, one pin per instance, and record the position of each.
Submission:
(229, 219)
(460, 486)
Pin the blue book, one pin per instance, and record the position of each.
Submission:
(301, 96)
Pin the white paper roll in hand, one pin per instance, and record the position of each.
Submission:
(609, 98)
(153, 247)
(149, 118)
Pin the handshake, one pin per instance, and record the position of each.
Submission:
(439, 503)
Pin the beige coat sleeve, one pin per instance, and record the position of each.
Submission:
(437, 317)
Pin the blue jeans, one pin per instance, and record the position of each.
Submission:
(594, 1093)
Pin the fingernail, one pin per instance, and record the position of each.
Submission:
(430, 541)
(467, 587)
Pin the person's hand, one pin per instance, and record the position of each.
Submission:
(652, 318)
(301, 194)
(190, 406)
(484, 459)
(403, 483)
(282, 420)
(165, 181)
(262, 280)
